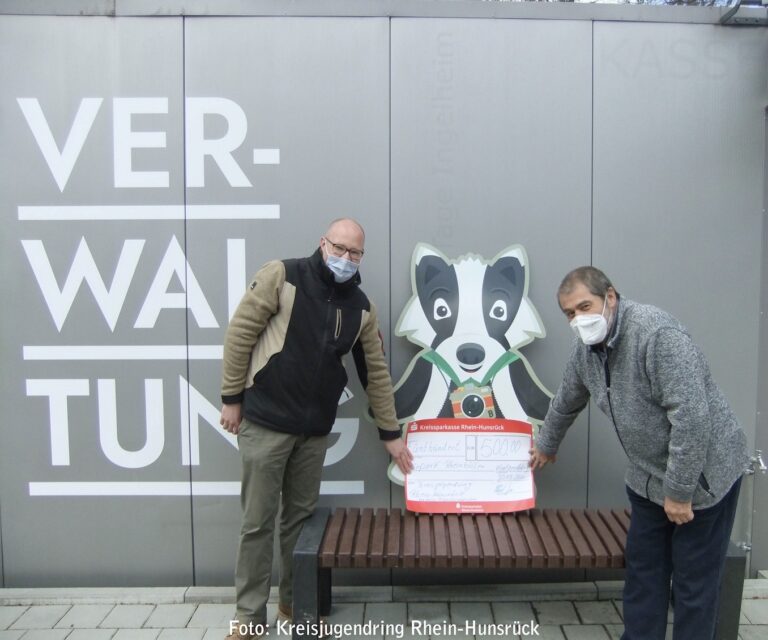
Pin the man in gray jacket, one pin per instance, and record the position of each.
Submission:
(686, 450)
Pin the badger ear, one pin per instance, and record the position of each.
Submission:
(428, 269)
(510, 264)
(427, 263)
(422, 250)
(511, 270)
(413, 323)
(516, 251)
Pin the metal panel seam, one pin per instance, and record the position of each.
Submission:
(186, 289)
(392, 320)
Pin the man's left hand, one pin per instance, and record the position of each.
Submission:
(678, 512)
(401, 454)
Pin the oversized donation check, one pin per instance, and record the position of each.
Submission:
(469, 466)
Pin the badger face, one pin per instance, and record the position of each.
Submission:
(470, 311)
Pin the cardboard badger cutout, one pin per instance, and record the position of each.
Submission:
(471, 316)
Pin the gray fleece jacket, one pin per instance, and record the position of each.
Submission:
(681, 437)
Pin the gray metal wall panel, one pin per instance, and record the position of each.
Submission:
(678, 193)
(80, 540)
(491, 126)
(317, 90)
(759, 533)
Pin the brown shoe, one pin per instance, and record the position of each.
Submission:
(284, 612)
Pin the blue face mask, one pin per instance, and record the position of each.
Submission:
(342, 268)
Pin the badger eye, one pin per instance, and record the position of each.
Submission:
(499, 310)
(441, 309)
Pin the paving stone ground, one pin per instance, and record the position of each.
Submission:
(563, 619)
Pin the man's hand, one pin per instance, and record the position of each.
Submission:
(231, 417)
(678, 512)
(400, 454)
(538, 459)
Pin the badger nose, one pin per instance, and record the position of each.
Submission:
(470, 353)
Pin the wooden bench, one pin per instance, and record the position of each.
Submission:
(535, 539)
(585, 538)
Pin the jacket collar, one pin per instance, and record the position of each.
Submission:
(326, 275)
(614, 333)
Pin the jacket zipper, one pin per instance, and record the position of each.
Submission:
(610, 402)
(316, 373)
(704, 484)
(338, 324)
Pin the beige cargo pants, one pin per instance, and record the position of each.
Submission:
(273, 463)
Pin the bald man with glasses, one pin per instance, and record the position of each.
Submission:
(282, 379)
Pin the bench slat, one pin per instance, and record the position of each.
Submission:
(520, 546)
(615, 552)
(458, 553)
(408, 542)
(624, 517)
(570, 558)
(472, 542)
(331, 539)
(362, 539)
(613, 522)
(425, 541)
(490, 557)
(586, 555)
(537, 554)
(601, 553)
(502, 541)
(393, 538)
(344, 558)
(376, 553)
(554, 556)
(442, 543)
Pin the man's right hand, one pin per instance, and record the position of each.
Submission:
(231, 417)
(538, 459)
(400, 453)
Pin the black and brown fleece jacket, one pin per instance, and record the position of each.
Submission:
(284, 346)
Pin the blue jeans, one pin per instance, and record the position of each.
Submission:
(691, 555)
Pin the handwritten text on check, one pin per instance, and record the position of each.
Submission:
(469, 466)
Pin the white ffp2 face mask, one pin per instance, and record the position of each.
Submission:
(592, 328)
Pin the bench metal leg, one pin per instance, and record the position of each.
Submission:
(308, 597)
(324, 591)
(731, 591)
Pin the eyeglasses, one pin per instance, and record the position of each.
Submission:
(356, 255)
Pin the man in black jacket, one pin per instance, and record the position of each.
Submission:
(282, 379)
